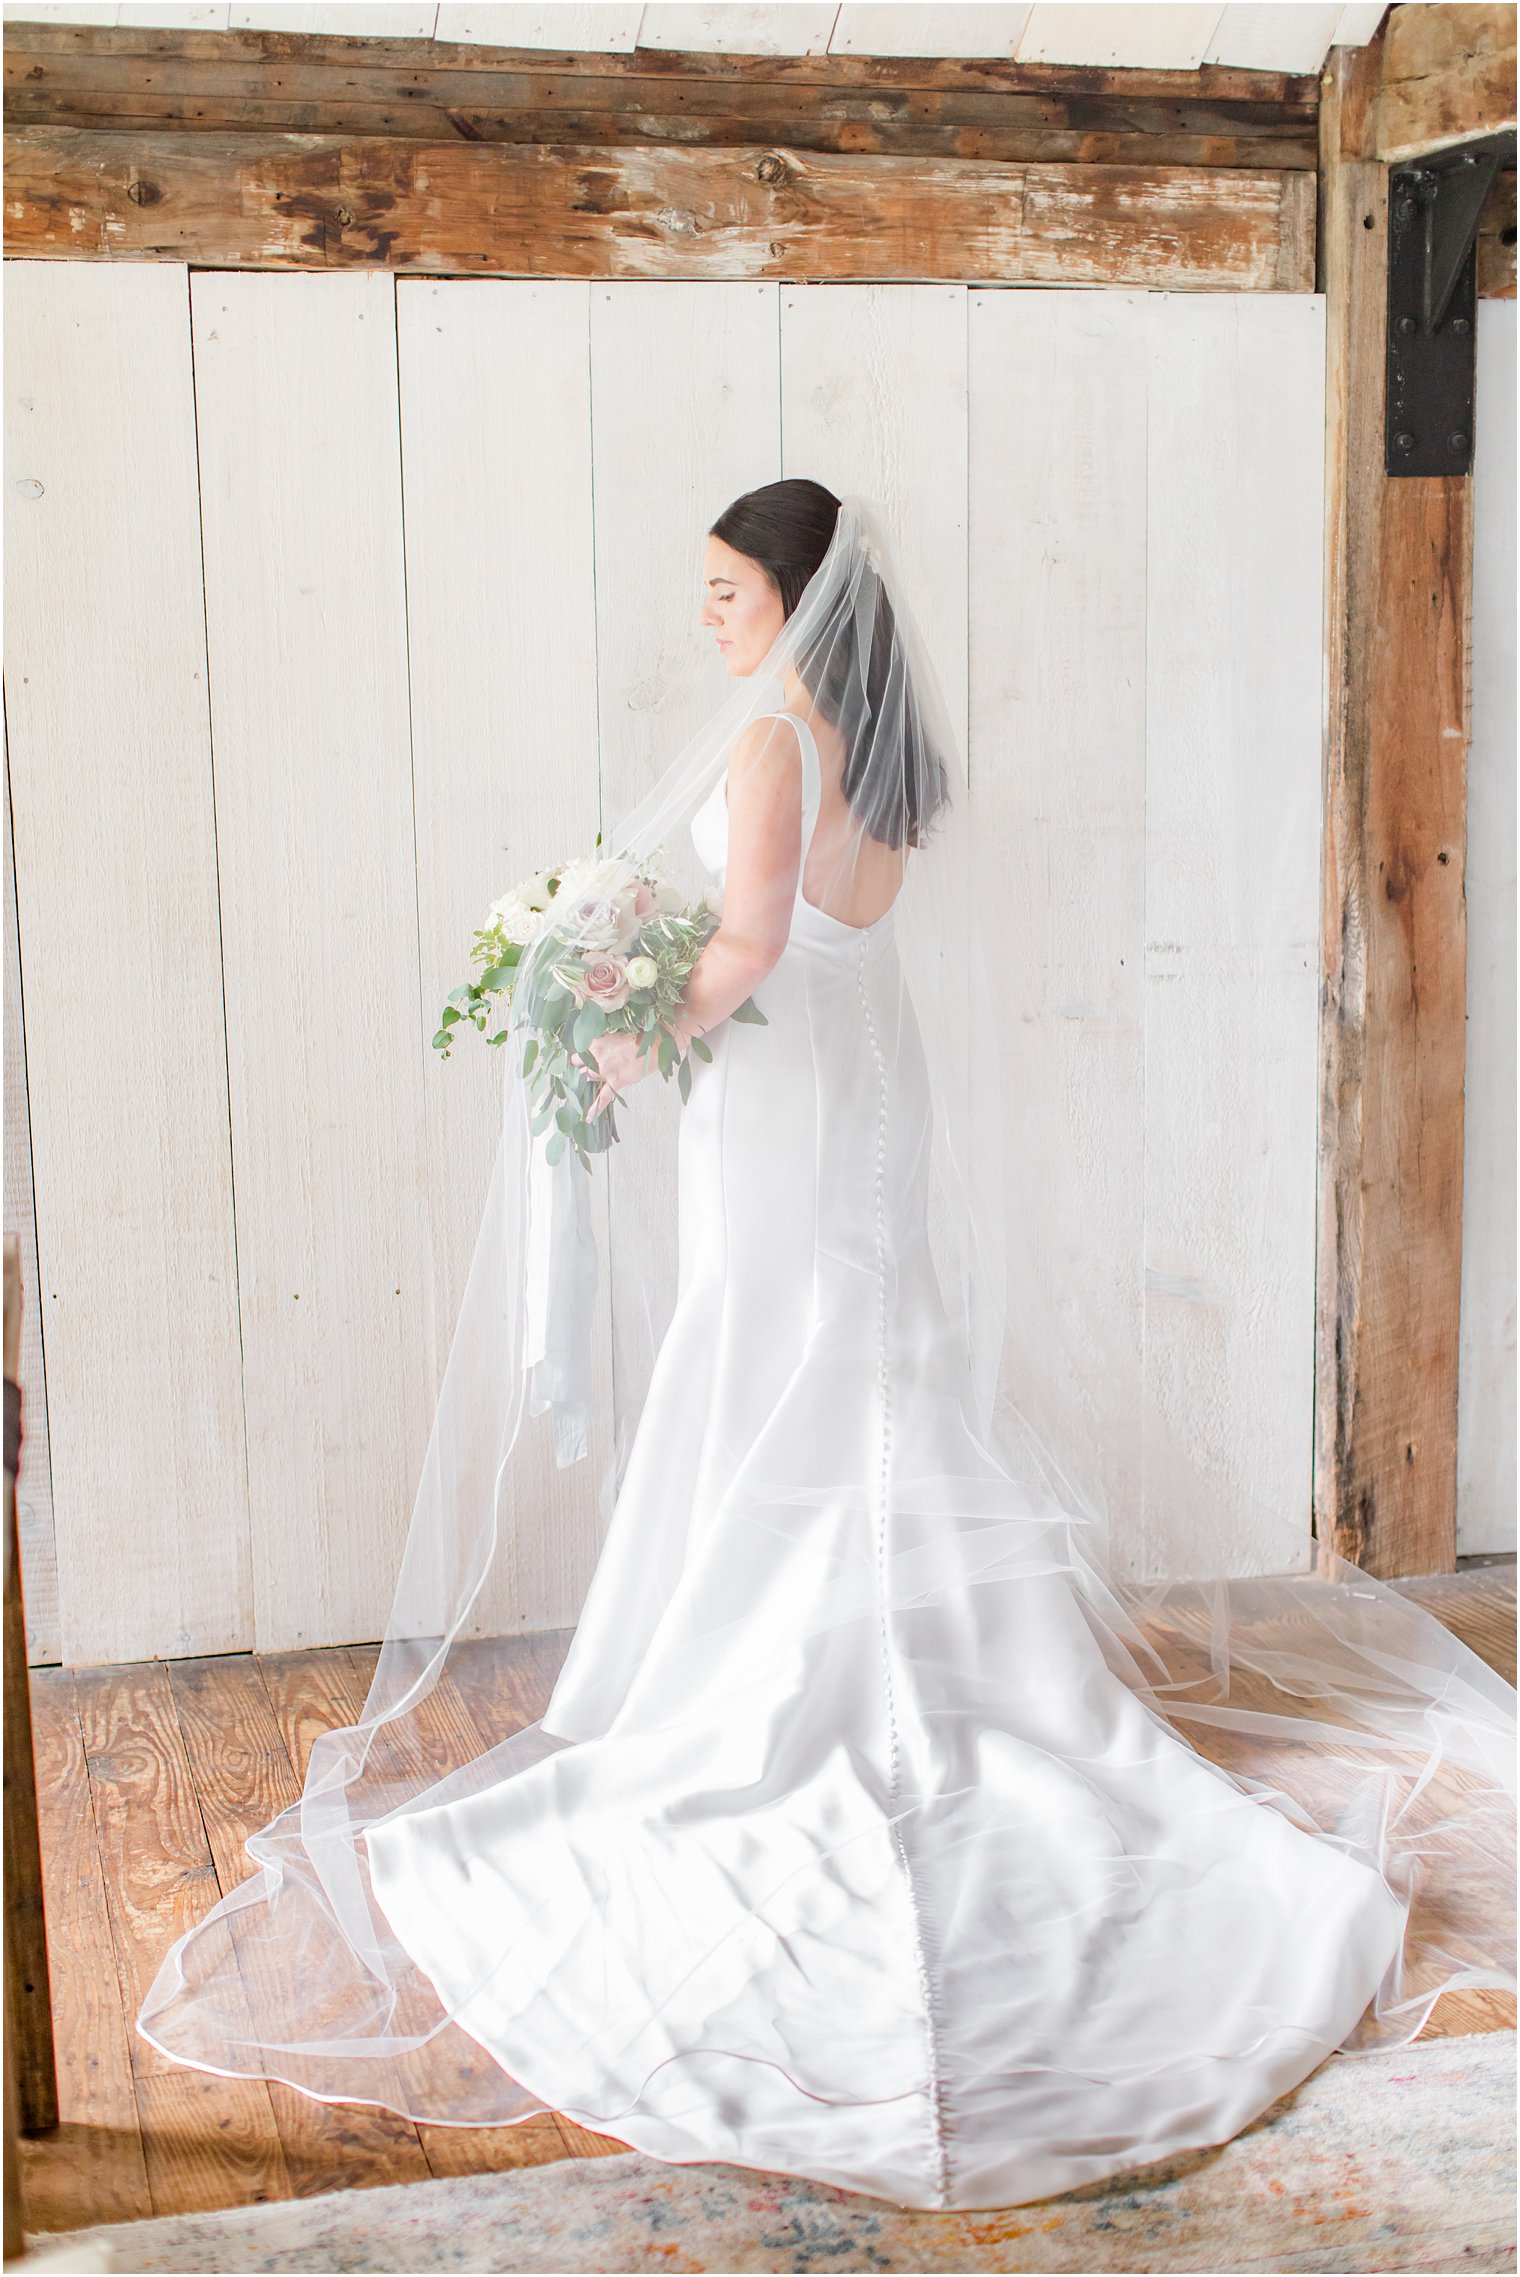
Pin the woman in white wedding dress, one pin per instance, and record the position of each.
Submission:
(858, 1840)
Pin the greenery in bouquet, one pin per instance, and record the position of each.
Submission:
(603, 944)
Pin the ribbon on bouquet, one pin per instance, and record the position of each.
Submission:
(560, 1292)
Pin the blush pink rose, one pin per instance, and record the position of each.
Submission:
(604, 982)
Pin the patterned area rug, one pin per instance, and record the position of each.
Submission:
(1388, 2162)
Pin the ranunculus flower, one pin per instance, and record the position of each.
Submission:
(604, 982)
(643, 972)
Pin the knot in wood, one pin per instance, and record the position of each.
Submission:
(144, 193)
(342, 216)
(771, 168)
(677, 221)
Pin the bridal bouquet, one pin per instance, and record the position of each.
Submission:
(604, 943)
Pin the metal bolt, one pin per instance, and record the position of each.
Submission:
(1460, 324)
(1407, 324)
(1403, 442)
(1458, 441)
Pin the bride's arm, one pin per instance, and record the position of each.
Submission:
(760, 882)
(760, 886)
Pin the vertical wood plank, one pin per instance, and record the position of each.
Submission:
(873, 399)
(496, 423)
(116, 874)
(296, 396)
(1486, 1481)
(1057, 586)
(685, 416)
(34, 1484)
(1233, 734)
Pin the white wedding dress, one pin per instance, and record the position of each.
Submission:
(901, 1890)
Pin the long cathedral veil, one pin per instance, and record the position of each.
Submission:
(1313, 1688)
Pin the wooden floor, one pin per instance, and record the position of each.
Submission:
(150, 1777)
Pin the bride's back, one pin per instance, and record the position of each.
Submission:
(848, 874)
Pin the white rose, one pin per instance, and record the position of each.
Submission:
(643, 972)
(513, 917)
(594, 877)
(534, 891)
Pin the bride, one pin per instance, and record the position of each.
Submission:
(876, 1830)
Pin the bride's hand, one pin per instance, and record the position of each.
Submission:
(619, 1063)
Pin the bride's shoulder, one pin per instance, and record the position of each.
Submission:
(765, 760)
(770, 742)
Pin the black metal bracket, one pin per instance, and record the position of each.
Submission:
(1433, 208)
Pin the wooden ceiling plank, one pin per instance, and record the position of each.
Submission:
(1265, 36)
(940, 27)
(609, 29)
(1172, 35)
(339, 19)
(732, 27)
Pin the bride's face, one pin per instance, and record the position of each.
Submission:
(742, 607)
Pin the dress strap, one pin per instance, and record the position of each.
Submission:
(812, 776)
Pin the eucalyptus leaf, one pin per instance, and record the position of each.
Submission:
(702, 1050)
(749, 1010)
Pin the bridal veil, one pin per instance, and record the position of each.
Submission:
(1323, 1693)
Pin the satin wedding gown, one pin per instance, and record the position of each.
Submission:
(916, 1898)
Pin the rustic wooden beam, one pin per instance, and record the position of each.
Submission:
(1496, 240)
(1393, 931)
(313, 202)
(1448, 76)
(252, 82)
(1208, 84)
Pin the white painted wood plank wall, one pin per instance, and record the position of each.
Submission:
(123, 959)
(501, 631)
(1058, 610)
(1234, 628)
(1486, 1484)
(451, 541)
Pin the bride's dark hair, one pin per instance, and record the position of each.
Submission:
(786, 528)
